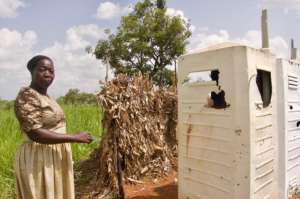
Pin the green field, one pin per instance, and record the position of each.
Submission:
(79, 118)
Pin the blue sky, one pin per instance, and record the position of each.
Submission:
(62, 29)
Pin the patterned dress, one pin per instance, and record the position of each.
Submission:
(43, 171)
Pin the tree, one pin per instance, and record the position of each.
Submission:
(165, 77)
(146, 41)
(74, 96)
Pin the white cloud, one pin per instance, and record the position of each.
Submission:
(79, 37)
(252, 38)
(173, 12)
(280, 47)
(16, 48)
(204, 39)
(74, 67)
(286, 5)
(108, 10)
(179, 13)
(9, 8)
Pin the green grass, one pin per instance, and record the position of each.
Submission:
(83, 118)
(10, 139)
(79, 118)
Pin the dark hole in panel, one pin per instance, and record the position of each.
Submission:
(219, 99)
(264, 84)
(214, 74)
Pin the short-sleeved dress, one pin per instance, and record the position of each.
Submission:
(43, 171)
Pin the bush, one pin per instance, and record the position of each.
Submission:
(74, 96)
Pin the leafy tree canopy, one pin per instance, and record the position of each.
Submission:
(146, 41)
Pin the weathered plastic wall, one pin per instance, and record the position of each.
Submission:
(226, 153)
(288, 132)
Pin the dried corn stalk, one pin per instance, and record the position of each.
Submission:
(139, 141)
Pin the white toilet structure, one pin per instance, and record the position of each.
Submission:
(227, 149)
(288, 125)
(238, 122)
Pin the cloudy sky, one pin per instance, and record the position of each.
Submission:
(62, 30)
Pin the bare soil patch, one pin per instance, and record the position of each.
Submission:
(85, 179)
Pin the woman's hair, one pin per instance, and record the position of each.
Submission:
(32, 63)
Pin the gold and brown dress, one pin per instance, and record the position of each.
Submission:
(43, 171)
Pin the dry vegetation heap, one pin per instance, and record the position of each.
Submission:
(139, 139)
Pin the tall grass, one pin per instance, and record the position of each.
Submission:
(83, 118)
(10, 138)
(79, 118)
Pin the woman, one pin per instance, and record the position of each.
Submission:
(44, 161)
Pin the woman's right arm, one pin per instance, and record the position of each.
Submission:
(45, 136)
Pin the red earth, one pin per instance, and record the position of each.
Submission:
(164, 189)
(297, 197)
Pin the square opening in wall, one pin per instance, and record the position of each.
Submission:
(264, 84)
(202, 77)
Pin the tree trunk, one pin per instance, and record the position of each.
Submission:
(106, 72)
(175, 74)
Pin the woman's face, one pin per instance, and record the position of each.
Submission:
(43, 74)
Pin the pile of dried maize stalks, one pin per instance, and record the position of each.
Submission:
(139, 138)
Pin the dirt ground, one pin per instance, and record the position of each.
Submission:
(165, 188)
(297, 197)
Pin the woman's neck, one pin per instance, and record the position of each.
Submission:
(39, 89)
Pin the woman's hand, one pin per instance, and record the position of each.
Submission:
(83, 137)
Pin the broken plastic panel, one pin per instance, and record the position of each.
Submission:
(216, 98)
